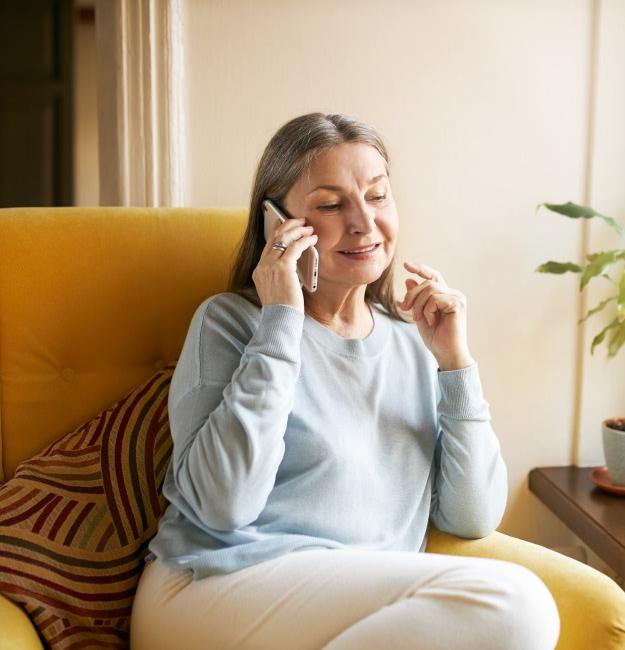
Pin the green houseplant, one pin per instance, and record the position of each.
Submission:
(597, 266)
(600, 264)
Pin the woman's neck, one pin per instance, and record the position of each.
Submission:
(348, 315)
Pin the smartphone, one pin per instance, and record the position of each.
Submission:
(308, 263)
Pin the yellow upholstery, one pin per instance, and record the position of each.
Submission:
(16, 632)
(92, 300)
(591, 605)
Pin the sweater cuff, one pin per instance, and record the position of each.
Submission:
(461, 394)
(279, 332)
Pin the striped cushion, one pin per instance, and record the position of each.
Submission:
(75, 521)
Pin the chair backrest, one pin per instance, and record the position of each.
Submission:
(92, 302)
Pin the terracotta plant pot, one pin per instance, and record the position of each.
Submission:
(613, 430)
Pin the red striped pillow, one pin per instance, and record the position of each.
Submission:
(75, 521)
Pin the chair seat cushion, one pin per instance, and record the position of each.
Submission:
(75, 520)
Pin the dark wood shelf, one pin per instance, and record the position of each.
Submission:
(595, 516)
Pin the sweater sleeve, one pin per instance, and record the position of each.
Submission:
(470, 478)
(228, 428)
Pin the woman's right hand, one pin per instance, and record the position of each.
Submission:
(275, 276)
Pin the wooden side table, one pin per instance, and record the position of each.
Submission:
(596, 517)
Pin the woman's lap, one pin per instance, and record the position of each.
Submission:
(344, 599)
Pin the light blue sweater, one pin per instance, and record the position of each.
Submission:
(288, 436)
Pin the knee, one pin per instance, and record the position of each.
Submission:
(527, 615)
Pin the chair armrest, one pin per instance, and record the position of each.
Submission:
(591, 605)
(16, 630)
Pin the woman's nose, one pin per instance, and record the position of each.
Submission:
(361, 219)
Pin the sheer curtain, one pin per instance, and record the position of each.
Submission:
(140, 81)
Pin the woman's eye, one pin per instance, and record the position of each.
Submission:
(334, 206)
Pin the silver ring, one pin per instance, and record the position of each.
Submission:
(280, 246)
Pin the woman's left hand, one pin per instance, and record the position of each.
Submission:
(440, 314)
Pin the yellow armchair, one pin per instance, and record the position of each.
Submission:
(591, 605)
(94, 300)
(16, 631)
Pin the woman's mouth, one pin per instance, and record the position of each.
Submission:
(361, 252)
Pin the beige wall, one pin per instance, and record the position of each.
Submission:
(85, 113)
(483, 104)
(603, 378)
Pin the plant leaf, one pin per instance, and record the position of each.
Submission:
(619, 254)
(575, 211)
(599, 263)
(607, 277)
(617, 340)
(599, 307)
(599, 338)
(621, 298)
(559, 267)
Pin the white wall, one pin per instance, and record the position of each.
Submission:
(483, 104)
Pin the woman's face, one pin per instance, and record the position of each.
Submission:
(345, 195)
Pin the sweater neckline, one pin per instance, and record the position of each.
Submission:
(372, 345)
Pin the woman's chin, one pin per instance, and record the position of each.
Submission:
(351, 270)
(351, 277)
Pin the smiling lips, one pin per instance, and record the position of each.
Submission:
(362, 250)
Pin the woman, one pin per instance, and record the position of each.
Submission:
(315, 434)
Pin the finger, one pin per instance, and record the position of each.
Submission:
(442, 296)
(430, 316)
(427, 312)
(294, 234)
(285, 236)
(289, 224)
(435, 304)
(427, 287)
(279, 230)
(420, 295)
(410, 284)
(295, 249)
(425, 271)
(409, 296)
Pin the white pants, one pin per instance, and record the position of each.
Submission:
(347, 600)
